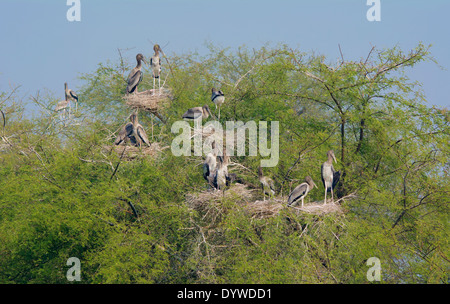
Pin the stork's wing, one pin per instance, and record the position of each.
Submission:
(321, 175)
(297, 193)
(143, 136)
(206, 171)
(192, 113)
(336, 177)
(62, 105)
(73, 94)
(133, 81)
(271, 184)
(126, 131)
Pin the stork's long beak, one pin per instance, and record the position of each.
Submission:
(314, 185)
(145, 61)
(334, 157)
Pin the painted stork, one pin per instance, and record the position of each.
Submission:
(209, 165)
(71, 95)
(300, 192)
(135, 76)
(197, 112)
(155, 64)
(267, 184)
(330, 177)
(218, 98)
(133, 131)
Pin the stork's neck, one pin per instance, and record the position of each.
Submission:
(330, 160)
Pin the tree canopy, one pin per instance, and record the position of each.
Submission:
(63, 195)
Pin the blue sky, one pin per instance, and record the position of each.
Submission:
(41, 49)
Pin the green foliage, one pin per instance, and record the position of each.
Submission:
(64, 195)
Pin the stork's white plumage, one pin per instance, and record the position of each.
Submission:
(218, 98)
(330, 177)
(155, 65)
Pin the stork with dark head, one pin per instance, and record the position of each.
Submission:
(135, 76)
(330, 176)
(134, 132)
(267, 184)
(300, 192)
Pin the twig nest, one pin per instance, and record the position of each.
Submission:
(132, 152)
(265, 209)
(318, 208)
(238, 192)
(151, 100)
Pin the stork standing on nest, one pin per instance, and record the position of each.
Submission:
(267, 184)
(330, 177)
(221, 175)
(197, 112)
(71, 95)
(155, 64)
(135, 76)
(209, 165)
(300, 192)
(133, 131)
(218, 98)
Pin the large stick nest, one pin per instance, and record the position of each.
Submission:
(209, 202)
(151, 101)
(128, 152)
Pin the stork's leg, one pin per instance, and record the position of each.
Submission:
(325, 199)
(302, 201)
(332, 195)
(219, 112)
(159, 85)
(154, 84)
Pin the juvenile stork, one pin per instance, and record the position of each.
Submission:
(135, 76)
(62, 105)
(330, 177)
(197, 112)
(209, 165)
(221, 175)
(300, 192)
(133, 131)
(267, 184)
(71, 95)
(155, 64)
(218, 98)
